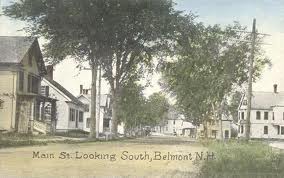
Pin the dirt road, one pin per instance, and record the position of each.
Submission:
(154, 156)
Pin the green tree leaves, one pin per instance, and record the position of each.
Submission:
(210, 64)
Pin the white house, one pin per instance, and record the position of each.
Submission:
(103, 111)
(69, 110)
(267, 115)
(175, 124)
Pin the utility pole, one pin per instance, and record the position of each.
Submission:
(249, 92)
(99, 103)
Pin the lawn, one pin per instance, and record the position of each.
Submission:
(238, 159)
(16, 140)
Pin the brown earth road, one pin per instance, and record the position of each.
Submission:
(103, 159)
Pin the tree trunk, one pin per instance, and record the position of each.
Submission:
(114, 113)
(93, 101)
(205, 129)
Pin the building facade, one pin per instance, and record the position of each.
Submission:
(267, 115)
(70, 110)
(21, 70)
(103, 111)
(216, 129)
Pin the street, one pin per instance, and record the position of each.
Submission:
(151, 156)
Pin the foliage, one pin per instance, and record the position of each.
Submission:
(131, 105)
(121, 36)
(241, 160)
(233, 104)
(157, 109)
(135, 109)
(210, 64)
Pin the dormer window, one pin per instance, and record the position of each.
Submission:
(245, 102)
(1, 104)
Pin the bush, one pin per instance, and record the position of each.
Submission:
(243, 160)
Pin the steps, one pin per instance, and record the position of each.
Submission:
(40, 127)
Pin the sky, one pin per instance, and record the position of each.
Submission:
(269, 16)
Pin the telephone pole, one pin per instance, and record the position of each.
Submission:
(249, 92)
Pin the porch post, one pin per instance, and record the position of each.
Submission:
(32, 116)
(53, 117)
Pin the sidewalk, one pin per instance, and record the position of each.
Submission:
(279, 145)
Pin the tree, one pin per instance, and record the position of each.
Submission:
(131, 105)
(209, 65)
(157, 108)
(135, 110)
(120, 35)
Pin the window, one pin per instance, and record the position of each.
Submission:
(258, 115)
(71, 114)
(87, 107)
(33, 84)
(1, 104)
(242, 129)
(282, 130)
(283, 115)
(278, 129)
(21, 80)
(80, 116)
(243, 115)
(245, 102)
(48, 109)
(44, 91)
(265, 130)
(174, 122)
(265, 115)
(106, 123)
(88, 121)
(273, 116)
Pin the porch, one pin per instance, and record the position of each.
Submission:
(35, 114)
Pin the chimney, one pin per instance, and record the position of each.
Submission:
(81, 89)
(275, 88)
(49, 70)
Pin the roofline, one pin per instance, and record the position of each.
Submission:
(65, 96)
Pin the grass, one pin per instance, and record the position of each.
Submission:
(17, 140)
(73, 134)
(238, 159)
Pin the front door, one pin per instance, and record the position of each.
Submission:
(226, 134)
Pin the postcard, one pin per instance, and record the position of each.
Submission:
(141, 88)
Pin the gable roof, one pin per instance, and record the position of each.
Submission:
(266, 100)
(65, 92)
(14, 48)
(104, 99)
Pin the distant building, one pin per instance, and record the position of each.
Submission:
(175, 124)
(21, 70)
(267, 115)
(69, 110)
(103, 111)
(216, 129)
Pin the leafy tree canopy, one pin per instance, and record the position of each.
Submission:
(209, 65)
